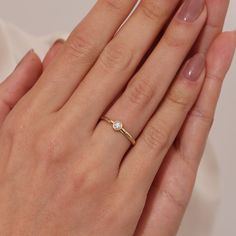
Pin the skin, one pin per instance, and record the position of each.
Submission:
(53, 156)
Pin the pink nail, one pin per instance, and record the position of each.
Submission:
(194, 67)
(191, 10)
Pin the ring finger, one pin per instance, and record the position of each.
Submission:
(146, 90)
(119, 60)
(161, 131)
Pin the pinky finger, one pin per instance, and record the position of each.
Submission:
(19, 83)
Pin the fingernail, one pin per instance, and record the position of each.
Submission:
(194, 67)
(58, 41)
(191, 10)
(57, 45)
(24, 58)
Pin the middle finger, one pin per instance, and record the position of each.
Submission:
(119, 60)
(146, 90)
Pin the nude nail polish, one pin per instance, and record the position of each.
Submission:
(194, 67)
(191, 10)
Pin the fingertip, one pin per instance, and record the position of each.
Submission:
(29, 67)
(22, 79)
(34, 62)
(53, 51)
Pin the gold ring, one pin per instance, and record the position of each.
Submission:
(118, 127)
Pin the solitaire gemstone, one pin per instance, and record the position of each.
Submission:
(117, 126)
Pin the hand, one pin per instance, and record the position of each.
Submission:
(173, 185)
(164, 197)
(19, 83)
(148, 222)
(23, 78)
(61, 181)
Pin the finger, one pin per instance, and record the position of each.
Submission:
(201, 118)
(79, 53)
(172, 188)
(148, 226)
(19, 83)
(120, 58)
(53, 52)
(148, 87)
(216, 11)
(162, 129)
(167, 198)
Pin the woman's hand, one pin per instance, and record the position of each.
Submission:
(23, 78)
(172, 187)
(64, 172)
(164, 197)
(19, 83)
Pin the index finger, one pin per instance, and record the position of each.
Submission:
(81, 51)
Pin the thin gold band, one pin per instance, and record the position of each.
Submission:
(118, 127)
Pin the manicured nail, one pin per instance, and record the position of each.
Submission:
(24, 58)
(194, 67)
(191, 10)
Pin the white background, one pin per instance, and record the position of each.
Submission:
(42, 17)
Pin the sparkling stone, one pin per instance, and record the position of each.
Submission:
(117, 125)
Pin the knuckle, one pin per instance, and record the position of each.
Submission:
(115, 57)
(5, 104)
(174, 40)
(214, 77)
(85, 182)
(178, 202)
(114, 4)
(212, 27)
(78, 183)
(152, 9)
(178, 100)
(87, 179)
(139, 92)
(206, 118)
(156, 137)
(49, 145)
(81, 46)
(188, 164)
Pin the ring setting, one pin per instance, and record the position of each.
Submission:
(118, 126)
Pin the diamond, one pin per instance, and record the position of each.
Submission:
(117, 125)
